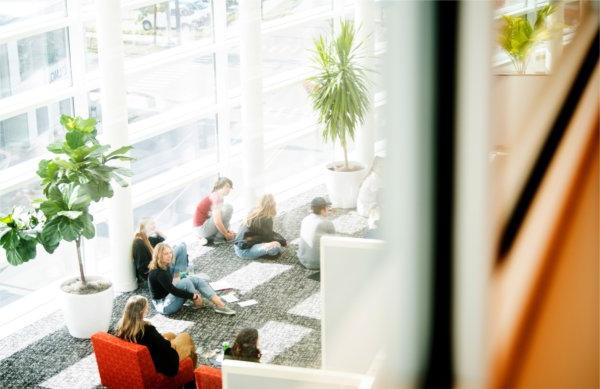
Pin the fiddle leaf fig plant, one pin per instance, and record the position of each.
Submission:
(81, 173)
(518, 37)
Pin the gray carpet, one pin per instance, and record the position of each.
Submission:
(287, 313)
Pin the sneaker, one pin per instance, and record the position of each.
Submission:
(203, 241)
(225, 310)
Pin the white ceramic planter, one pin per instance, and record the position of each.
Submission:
(343, 187)
(86, 314)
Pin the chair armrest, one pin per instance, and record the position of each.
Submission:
(186, 370)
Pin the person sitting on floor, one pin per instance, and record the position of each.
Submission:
(312, 228)
(256, 237)
(144, 241)
(169, 293)
(212, 216)
(166, 350)
(245, 347)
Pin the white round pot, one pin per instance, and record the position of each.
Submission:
(343, 187)
(86, 314)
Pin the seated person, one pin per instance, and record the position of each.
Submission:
(169, 294)
(256, 237)
(166, 350)
(312, 228)
(245, 347)
(212, 216)
(144, 241)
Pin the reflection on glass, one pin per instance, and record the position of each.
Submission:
(35, 61)
(164, 25)
(177, 206)
(165, 87)
(380, 123)
(287, 110)
(26, 136)
(272, 9)
(288, 49)
(174, 148)
(12, 11)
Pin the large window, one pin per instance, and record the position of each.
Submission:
(178, 88)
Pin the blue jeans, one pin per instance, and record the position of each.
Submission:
(172, 303)
(258, 250)
(181, 258)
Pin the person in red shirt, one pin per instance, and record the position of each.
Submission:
(212, 216)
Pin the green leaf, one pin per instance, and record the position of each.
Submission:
(88, 230)
(119, 152)
(70, 214)
(6, 219)
(75, 139)
(50, 237)
(52, 208)
(87, 125)
(56, 147)
(64, 164)
(69, 229)
(68, 122)
(23, 252)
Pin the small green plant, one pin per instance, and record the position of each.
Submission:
(339, 91)
(80, 174)
(517, 36)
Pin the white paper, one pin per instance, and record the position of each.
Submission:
(220, 285)
(247, 303)
(230, 298)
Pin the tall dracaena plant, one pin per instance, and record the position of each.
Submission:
(517, 35)
(339, 90)
(81, 173)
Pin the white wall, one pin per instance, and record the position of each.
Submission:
(352, 305)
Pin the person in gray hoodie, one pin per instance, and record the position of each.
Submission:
(313, 227)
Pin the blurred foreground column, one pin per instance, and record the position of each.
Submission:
(114, 125)
(251, 80)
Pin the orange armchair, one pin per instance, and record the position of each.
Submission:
(208, 378)
(125, 365)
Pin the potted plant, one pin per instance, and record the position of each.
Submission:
(339, 93)
(81, 173)
(516, 91)
(518, 37)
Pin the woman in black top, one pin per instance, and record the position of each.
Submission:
(166, 350)
(245, 347)
(144, 241)
(256, 237)
(170, 293)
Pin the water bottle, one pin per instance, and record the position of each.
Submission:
(225, 346)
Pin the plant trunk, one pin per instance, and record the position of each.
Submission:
(80, 260)
(346, 165)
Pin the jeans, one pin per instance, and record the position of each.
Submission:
(172, 303)
(258, 250)
(209, 229)
(181, 258)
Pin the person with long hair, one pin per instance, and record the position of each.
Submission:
(166, 350)
(144, 241)
(256, 237)
(169, 293)
(245, 346)
(212, 215)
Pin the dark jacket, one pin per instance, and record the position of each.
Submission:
(260, 231)
(161, 284)
(142, 256)
(164, 357)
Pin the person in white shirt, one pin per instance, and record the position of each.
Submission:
(313, 227)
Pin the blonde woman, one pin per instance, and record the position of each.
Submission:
(169, 293)
(143, 244)
(256, 237)
(166, 350)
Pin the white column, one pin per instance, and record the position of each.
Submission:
(364, 21)
(251, 80)
(114, 125)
